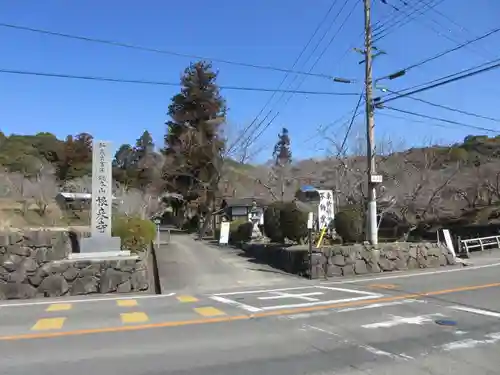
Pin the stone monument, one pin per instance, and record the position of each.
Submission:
(101, 243)
(256, 217)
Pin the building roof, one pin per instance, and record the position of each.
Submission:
(77, 196)
(246, 202)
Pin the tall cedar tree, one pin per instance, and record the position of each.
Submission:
(193, 144)
(282, 155)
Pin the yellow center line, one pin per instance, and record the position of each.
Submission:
(243, 317)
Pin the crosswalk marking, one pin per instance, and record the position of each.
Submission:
(134, 317)
(48, 324)
(126, 302)
(187, 299)
(209, 311)
(59, 307)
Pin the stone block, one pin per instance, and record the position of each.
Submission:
(338, 260)
(84, 285)
(360, 267)
(71, 274)
(53, 286)
(110, 280)
(16, 291)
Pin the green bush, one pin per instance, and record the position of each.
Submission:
(293, 222)
(349, 224)
(272, 222)
(244, 232)
(238, 230)
(136, 234)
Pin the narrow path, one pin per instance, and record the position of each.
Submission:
(187, 264)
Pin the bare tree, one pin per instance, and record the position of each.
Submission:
(134, 202)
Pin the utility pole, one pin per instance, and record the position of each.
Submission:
(372, 235)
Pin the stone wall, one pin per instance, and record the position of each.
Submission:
(35, 264)
(349, 260)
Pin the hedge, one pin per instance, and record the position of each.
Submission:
(136, 234)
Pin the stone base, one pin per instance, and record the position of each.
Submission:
(100, 244)
(102, 255)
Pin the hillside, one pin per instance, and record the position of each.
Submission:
(419, 183)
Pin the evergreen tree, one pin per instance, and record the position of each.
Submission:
(193, 143)
(282, 155)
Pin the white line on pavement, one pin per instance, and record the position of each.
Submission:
(235, 303)
(476, 311)
(399, 320)
(404, 276)
(69, 300)
(368, 348)
(491, 338)
(378, 305)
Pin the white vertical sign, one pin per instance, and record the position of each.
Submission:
(102, 199)
(325, 208)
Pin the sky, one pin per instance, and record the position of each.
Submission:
(261, 32)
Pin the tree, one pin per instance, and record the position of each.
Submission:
(282, 155)
(194, 146)
(123, 166)
(76, 157)
(145, 161)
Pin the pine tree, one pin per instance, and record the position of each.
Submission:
(193, 143)
(282, 155)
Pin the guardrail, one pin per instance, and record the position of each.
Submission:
(480, 242)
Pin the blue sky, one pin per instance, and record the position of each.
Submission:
(264, 32)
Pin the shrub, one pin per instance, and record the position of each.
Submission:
(293, 222)
(240, 230)
(349, 224)
(244, 232)
(272, 222)
(136, 234)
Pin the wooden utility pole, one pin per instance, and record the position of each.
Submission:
(372, 235)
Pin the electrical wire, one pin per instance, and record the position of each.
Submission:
(445, 80)
(161, 51)
(312, 67)
(268, 102)
(354, 115)
(163, 83)
(398, 24)
(448, 51)
(443, 120)
(446, 107)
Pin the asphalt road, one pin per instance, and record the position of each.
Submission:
(189, 265)
(374, 325)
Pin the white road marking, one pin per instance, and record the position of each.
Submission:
(368, 348)
(399, 320)
(379, 305)
(476, 311)
(401, 275)
(354, 291)
(305, 315)
(98, 299)
(331, 302)
(235, 303)
(303, 296)
(491, 338)
(264, 291)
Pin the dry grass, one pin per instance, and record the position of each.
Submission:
(12, 216)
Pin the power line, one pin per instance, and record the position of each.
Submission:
(443, 120)
(407, 18)
(320, 24)
(441, 54)
(354, 115)
(456, 77)
(356, 2)
(163, 83)
(161, 51)
(446, 107)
